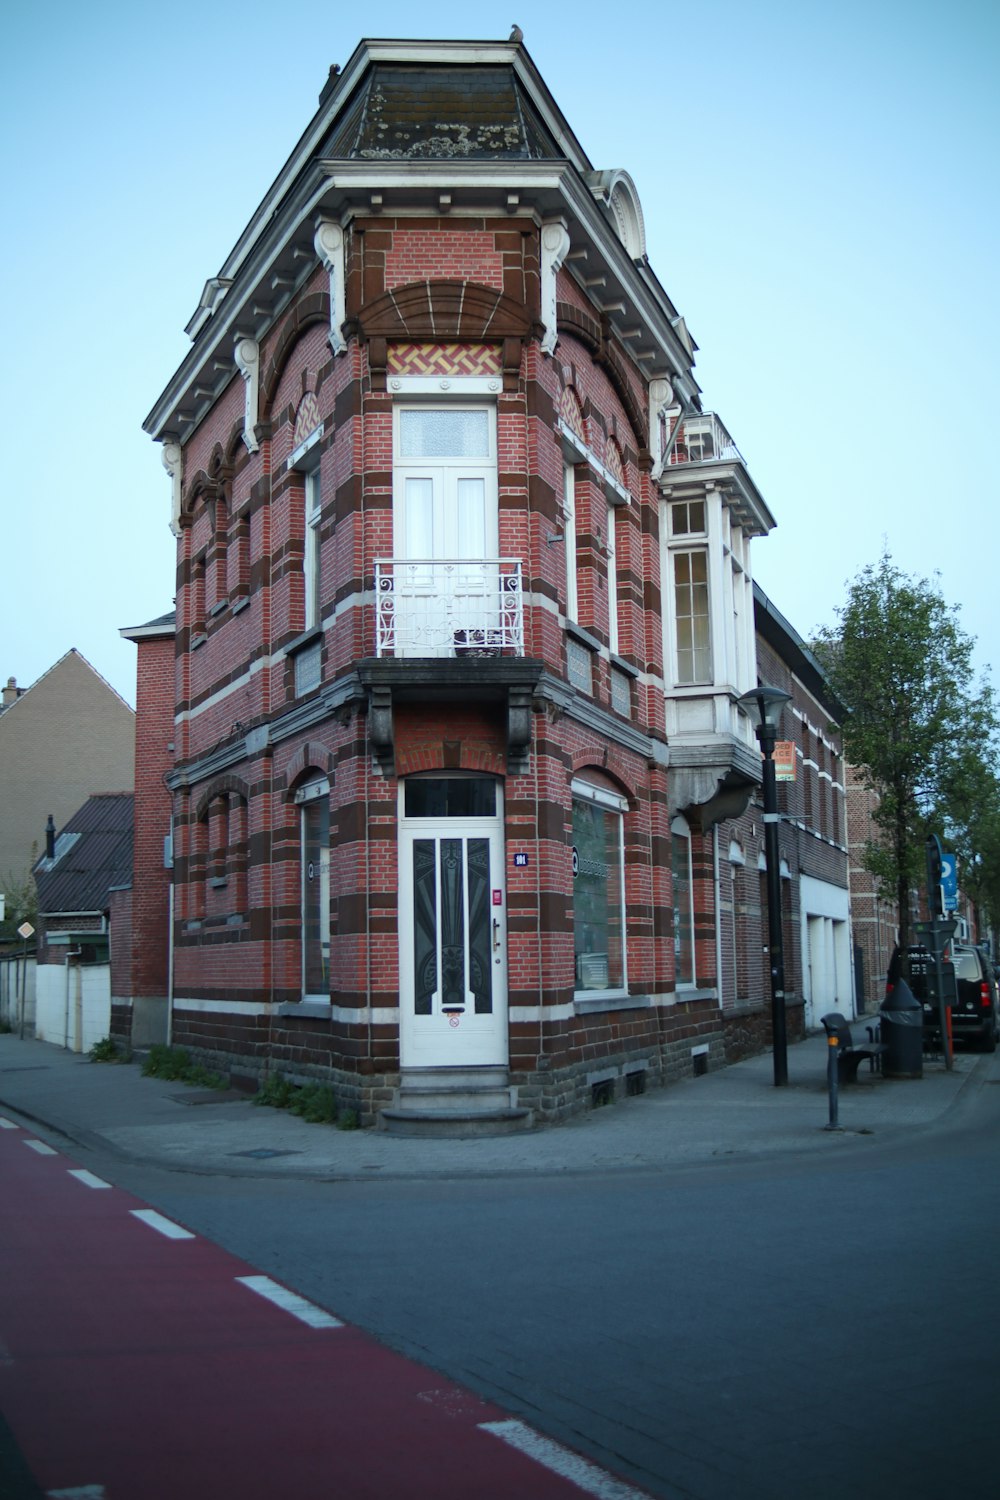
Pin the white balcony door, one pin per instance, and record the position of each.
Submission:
(445, 582)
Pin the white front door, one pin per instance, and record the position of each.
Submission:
(452, 924)
(446, 529)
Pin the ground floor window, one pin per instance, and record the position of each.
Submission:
(313, 801)
(680, 849)
(599, 888)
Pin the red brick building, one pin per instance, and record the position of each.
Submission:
(813, 858)
(140, 915)
(464, 608)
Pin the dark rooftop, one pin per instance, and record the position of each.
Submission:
(407, 113)
(93, 852)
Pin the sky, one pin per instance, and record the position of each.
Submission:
(819, 185)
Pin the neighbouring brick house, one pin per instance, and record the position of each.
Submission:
(464, 609)
(812, 841)
(141, 907)
(61, 739)
(876, 920)
(91, 857)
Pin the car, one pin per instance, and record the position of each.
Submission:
(971, 988)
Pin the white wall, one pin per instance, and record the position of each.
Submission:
(73, 1006)
(827, 971)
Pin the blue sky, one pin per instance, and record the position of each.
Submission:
(820, 190)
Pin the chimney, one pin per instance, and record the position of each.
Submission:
(11, 692)
(50, 838)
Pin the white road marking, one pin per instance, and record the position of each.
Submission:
(87, 1178)
(80, 1492)
(163, 1226)
(299, 1308)
(579, 1471)
(41, 1148)
(7, 1124)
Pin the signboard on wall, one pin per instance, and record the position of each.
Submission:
(784, 760)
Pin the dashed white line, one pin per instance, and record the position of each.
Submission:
(579, 1471)
(160, 1224)
(7, 1124)
(41, 1148)
(87, 1178)
(299, 1308)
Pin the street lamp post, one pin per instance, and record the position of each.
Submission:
(764, 705)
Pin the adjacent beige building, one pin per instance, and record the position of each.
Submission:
(64, 738)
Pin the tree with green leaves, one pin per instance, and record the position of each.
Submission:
(971, 829)
(917, 724)
(20, 901)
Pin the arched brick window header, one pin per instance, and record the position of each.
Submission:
(309, 762)
(445, 310)
(233, 786)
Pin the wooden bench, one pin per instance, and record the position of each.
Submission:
(850, 1056)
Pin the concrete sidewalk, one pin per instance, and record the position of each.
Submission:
(734, 1113)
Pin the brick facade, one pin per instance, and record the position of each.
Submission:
(291, 715)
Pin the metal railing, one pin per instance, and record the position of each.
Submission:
(703, 439)
(449, 607)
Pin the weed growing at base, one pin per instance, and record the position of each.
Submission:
(314, 1102)
(175, 1064)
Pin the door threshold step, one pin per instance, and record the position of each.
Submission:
(456, 1123)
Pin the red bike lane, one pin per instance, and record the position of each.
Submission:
(141, 1362)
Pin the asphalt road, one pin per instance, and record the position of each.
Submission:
(777, 1329)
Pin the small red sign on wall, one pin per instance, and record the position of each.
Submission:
(784, 760)
(498, 898)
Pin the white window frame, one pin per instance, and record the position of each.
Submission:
(311, 554)
(612, 579)
(569, 535)
(308, 793)
(680, 829)
(603, 797)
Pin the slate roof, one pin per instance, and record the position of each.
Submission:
(407, 113)
(93, 853)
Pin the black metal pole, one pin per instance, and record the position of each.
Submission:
(776, 954)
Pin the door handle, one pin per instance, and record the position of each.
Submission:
(496, 934)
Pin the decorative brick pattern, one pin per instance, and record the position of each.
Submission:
(445, 360)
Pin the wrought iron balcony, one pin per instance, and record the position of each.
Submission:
(449, 607)
(703, 440)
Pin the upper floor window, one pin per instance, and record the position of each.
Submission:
(311, 556)
(612, 579)
(692, 621)
(569, 533)
(687, 518)
(708, 598)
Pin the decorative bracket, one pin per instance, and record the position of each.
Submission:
(555, 248)
(172, 457)
(660, 396)
(247, 355)
(329, 245)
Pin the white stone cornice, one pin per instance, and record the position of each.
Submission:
(555, 248)
(172, 457)
(660, 396)
(329, 243)
(247, 356)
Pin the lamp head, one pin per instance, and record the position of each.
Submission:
(763, 706)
